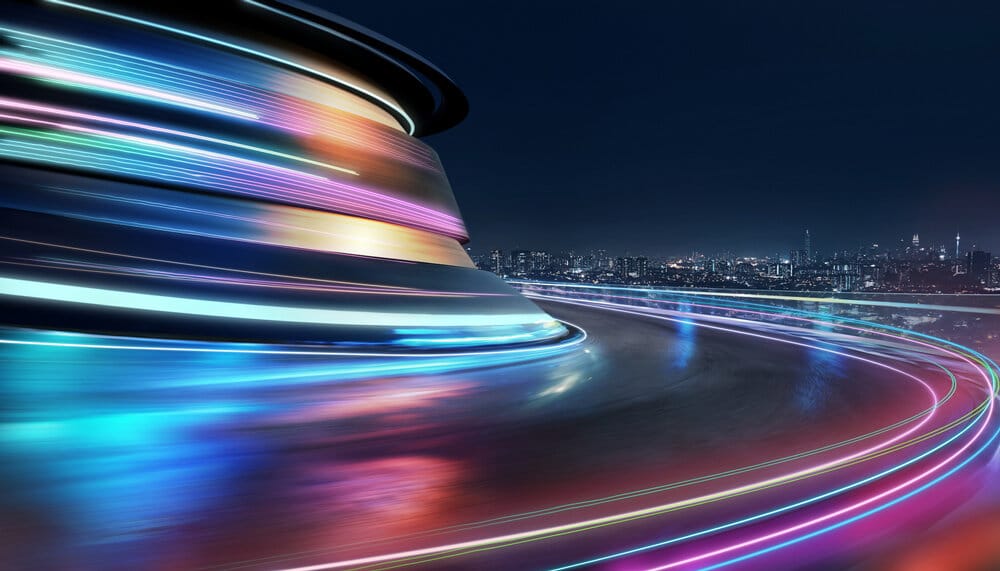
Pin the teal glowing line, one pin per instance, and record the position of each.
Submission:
(529, 535)
(59, 112)
(722, 527)
(224, 309)
(89, 81)
(802, 298)
(790, 311)
(410, 127)
(860, 516)
(737, 523)
(579, 336)
(735, 471)
(94, 59)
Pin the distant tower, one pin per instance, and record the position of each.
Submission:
(958, 238)
(497, 264)
(916, 240)
(807, 242)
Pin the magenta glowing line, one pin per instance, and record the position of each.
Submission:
(274, 182)
(506, 538)
(249, 349)
(815, 521)
(639, 310)
(62, 112)
(853, 507)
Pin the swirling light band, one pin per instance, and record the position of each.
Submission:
(156, 166)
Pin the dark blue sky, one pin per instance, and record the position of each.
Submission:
(662, 127)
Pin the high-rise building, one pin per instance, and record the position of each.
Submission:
(540, 261)
(958, 238)
(497, 262)
(641, 267)
(798, 257)
(520, 261)
(916, 240)
(977, 267)
(601, 260)
(629, 267)
(807, 248)
(846, 277)
(573, 261)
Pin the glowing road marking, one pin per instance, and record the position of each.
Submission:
(981, 410)
(986, 446)
(836, 300)
(789, 313)
(853, 507)
(700, 479)
(621, 309)
(792, 506)
(513, 538)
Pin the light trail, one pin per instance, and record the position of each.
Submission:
(451, 550)
(774, 297)
(174, 179)
(68, 113)
(155, 134)
(408, 122)
(67, 293)
(48, 72)
(303, 279)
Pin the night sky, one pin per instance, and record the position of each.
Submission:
(662, 128)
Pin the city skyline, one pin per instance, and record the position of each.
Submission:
(967, 243)
(906, 266)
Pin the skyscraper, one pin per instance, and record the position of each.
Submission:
(601, 260)
(977, 267)
(520, 261)
(497, 262)
(807, 248)
(632, 267)
(540, 261)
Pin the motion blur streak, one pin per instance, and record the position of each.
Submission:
(240, 331)
(977, 415)
(803, 481)
(252, 141)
